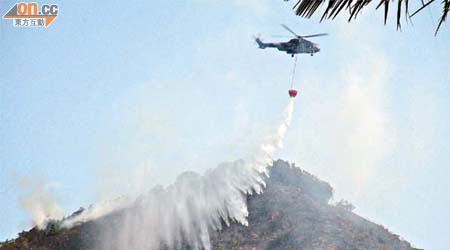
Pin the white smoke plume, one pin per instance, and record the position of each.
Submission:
(191, 207)
(38, 200)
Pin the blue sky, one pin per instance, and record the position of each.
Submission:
(116, 97)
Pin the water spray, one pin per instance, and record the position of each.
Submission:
(193, 206)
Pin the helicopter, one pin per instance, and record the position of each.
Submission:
(297, 45)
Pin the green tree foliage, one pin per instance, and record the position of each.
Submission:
(53, 226)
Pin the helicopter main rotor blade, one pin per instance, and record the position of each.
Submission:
(280, 36)
(287, 28)
(298, 36)
(321, 34)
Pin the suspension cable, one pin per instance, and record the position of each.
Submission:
(293, 72)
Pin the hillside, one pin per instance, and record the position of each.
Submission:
(292, 213)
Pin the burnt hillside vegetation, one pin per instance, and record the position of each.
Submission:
(293, 213)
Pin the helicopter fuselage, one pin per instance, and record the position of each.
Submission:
(293, 46)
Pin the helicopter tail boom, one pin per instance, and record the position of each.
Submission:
(260, 43)
(263, 45)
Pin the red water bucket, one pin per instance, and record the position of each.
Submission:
(292, 93)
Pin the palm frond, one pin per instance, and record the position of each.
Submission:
(442, 19)
(306, 9)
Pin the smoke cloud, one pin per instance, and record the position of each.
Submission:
(193, 205)
(39, 201)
